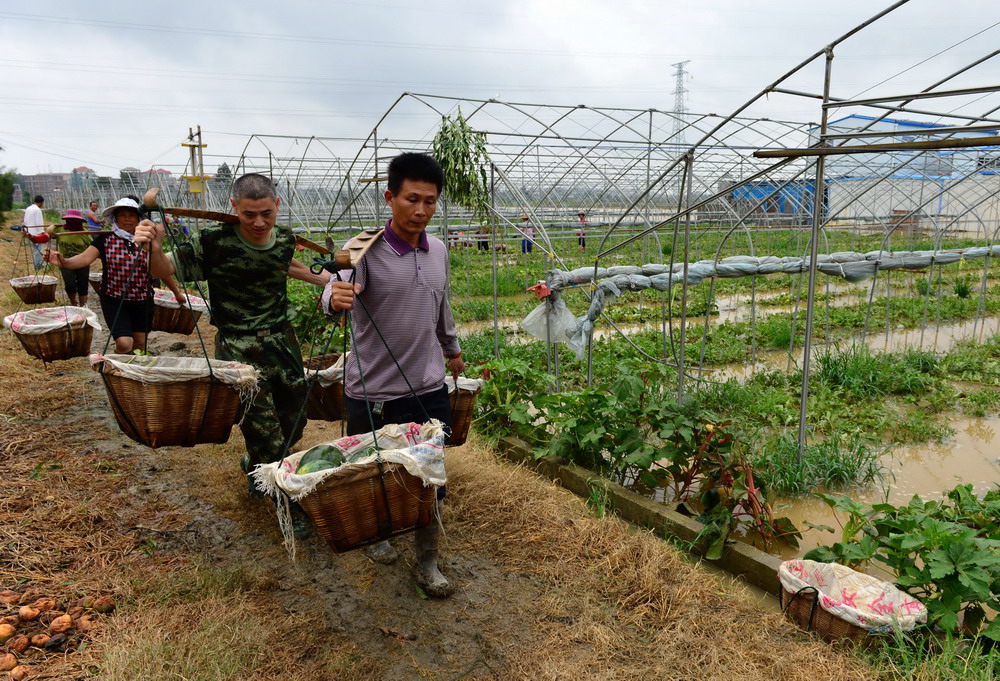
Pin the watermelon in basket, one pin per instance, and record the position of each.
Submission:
(368, 493)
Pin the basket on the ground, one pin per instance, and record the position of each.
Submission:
(463, 405)
(376, 494)
(326, 397)
(171, 316)
(167, 401)
(35, 288)
(95, 279)
(839, 603)
(51, 333)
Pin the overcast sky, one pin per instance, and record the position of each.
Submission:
(114, 84)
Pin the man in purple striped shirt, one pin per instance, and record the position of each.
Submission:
(401, 315)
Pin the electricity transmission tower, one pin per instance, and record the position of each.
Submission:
(679, 101)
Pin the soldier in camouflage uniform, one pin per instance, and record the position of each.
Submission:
(247, 266)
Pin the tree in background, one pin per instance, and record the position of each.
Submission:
(8, 178)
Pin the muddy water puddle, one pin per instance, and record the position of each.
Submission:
(927, 470)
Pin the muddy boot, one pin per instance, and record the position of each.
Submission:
(251, 485)
(383, 552)
(426, 542)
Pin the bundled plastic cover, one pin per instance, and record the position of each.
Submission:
(33, 280)
(553, 326)
(469, 384)
(96, 277)
(165, 298)
(330, 375)
(868, 602)
(45, 319)
(147, 369)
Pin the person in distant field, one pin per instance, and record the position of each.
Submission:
(126, 287)
(95, 221)
(482, 239)
(247, 266)
(34, 231)
(71, 240)
(528, 232)
(581, 232)
(402, 285)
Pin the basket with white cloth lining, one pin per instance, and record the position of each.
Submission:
(36, 288)
(51, 333)
(171, 316)
(165, 401)
(379, 492)
(839, 603)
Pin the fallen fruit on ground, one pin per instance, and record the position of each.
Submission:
(104, 604)
(56, 644)
(44, 604)
(9, 597)
(7, 662)
(28, 614)
(60, 624)
(19, 643)
(20, 672)
(6, 631)
(39, 640)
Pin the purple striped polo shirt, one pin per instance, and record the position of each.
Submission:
(404, 290)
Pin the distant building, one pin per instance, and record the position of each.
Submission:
(49, 185)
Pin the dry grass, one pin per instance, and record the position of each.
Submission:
(619, 604)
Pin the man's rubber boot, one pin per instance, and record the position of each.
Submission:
(251, 486)
(383, 552)
(301, 522)
(427, 544)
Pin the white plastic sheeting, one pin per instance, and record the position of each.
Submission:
(609, 282)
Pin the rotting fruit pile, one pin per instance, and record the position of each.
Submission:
(34, 626)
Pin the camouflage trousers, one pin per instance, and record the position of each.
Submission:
(275, 420)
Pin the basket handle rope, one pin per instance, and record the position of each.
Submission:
(812, 608)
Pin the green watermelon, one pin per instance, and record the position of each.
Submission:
(316, 465)
(327, 453)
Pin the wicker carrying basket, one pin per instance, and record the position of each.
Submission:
(175, 320)
(183, 414)
(360, 507)
(43, 291)
(463, 404)
(71, 340)
(325, 403)
(804, 610)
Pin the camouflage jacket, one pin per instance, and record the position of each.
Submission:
(247, 284)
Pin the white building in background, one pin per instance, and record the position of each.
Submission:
(913, 189)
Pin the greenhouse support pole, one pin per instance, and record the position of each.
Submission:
(686, 198)
(818, 193)
(493, 257)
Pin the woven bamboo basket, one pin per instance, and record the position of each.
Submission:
(360, 507)
(71, 340)
(43, 290)
(463, 404)
(803, 609)
(174, 320)
(185, 413)
(325, 403)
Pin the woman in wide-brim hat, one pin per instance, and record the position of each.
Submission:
(71, 240)
(126, 286)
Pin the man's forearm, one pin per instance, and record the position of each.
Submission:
(160, 266)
